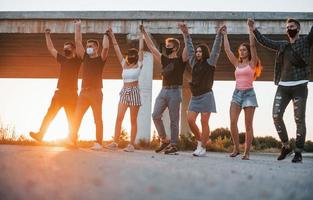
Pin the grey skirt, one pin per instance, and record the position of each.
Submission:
(202, 103)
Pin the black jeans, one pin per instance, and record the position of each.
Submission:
(65, 99)
(284, 94)
(93, 98)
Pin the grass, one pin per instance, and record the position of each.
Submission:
(220, 142)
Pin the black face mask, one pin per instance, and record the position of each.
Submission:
(132, 59)
(67, 53)
(169, 51)
(292, 32)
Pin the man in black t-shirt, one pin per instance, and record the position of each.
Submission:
(173, 67)
(66, 93)
(91, 91)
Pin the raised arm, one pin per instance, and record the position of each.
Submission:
(183, 27)
(115, 45)
(141, 45)
(156, 53)
(216, 49)
(189, 49)
(310, 37)
(105, 46)
(264, 41)
(232, 58)
(80, 50)
(49, 43)
(254, 57)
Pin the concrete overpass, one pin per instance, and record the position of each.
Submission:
(24, 53)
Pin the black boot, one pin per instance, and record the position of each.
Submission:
(297, 158)
(285, 151)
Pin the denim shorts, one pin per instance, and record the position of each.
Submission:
(245, 98)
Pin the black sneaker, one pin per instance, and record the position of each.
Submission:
(162, 147)
(297, 158)
(172, 149)
(36, 136)
(284, 153)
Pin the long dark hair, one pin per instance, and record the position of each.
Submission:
(205, 51)
(132, 52)
(258, 67)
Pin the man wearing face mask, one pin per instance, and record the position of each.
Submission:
(291, 74)
(173, 67)
(91, 89)
(66, 93)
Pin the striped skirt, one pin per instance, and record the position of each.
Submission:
(130, 96)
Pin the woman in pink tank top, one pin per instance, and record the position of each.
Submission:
(248, 68)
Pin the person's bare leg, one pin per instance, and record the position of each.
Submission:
(234, 112)
(192, 117)
(133, 119)
(249, 113)
(119, 120)
(205, 128)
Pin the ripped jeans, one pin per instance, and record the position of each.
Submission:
(284, 94)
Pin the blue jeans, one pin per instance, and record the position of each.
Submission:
(171, 99)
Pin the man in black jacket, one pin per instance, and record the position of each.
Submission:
(291, 74)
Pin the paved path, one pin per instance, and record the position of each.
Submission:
(57, 173)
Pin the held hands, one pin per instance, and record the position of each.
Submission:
(142, 28)
(183, 27)
(77, 22)
(222, 30)
(109, 31)
(47, 31)
(250, 23)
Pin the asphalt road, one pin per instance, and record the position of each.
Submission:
(28, 172)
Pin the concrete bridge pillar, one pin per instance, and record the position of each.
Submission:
(186, 95)
(145, 84)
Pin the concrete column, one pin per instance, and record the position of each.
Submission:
(186, 95)
(145, 85)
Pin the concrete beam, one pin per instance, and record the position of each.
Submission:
(154, 15)
(156, 22)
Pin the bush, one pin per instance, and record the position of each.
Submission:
(123, 139)
(221, 144)
(220, 132)
(266, 142)
(308, 146)
(187, 142)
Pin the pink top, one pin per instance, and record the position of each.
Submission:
(244, 77)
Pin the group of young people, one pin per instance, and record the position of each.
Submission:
(291, 74)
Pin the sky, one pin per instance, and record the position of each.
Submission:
(26, 101)
(169, 5)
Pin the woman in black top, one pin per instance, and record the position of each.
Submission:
(202, 101)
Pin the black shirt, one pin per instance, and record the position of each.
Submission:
(68, 73)
(202, 78)
(92, 72)
(172, 70)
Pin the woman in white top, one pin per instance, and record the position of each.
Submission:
(130, 94)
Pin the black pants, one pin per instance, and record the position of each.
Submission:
(93, 98)
(284, 94)
(65, 99)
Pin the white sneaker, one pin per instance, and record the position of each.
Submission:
(196, 152)
(201, 153)
(112, 146)
(96, 147)
(129, 148)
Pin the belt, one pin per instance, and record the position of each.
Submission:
(171, 86)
